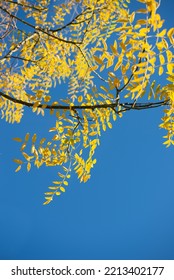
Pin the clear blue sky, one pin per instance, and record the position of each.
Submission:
(125, 211)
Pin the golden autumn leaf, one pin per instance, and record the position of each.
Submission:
(170, 34)
(58, 193)
(18, 168)
(65, 183)
(53, 188)
(18, 161)
(27, 157)
(27, 137)
(114, 50)
(28, 166)
(34, 138)
(97, 59)
(161, 70)
(162, 33)
(48, 200)
(17, 139)
(57, 182)
(80, 98)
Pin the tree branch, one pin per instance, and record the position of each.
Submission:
(125, 106)
(27, 6)
(37, 28)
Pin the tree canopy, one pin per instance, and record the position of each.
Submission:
(109, 58)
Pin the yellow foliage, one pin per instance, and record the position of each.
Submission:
(106, 57)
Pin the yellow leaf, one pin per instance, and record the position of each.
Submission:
(111, 85)
(104, 127)
(61, 175)
(85, 178)
(49, 193)
(138, 80)
(44, 106)
(162, 33)
(48, 200)
(65, 183)
(23, 147)
(142, 64)
(111, 74)
(143, 1)
(102, 67)
(62, 189)
(18, 168)
(42, 141)
(170, 67)
(122, 20)
(118, 64)
(57, 182)
(58, 193)
(170, 78)
(56, 137)
(93, 68)
(93, 133)
(27, 137)
(116, 82)
(122, 45)
(114, 50)
(36, 104)
(132, 16)
(160, 72)
(160, 45)
(136, 88)
(170, 34)
(17, 139)
(26, 156)
(65, 169)
(167, 143)
(18, 161)
(34, 138)
(109, 125)
(53, 188)
(28, 166)
(162, 59)
(152, 61)
(98, 60)
(141, 21)
(47, 98)
(115, 44)
(114, 116)
(165, 43)
(80, 98)
(169, 55)
(143, 11)
(104, 88)
(51, 111)
(140, 71)
(52, 129)
(111, 95)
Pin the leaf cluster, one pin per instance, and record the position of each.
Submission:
(107, 58)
